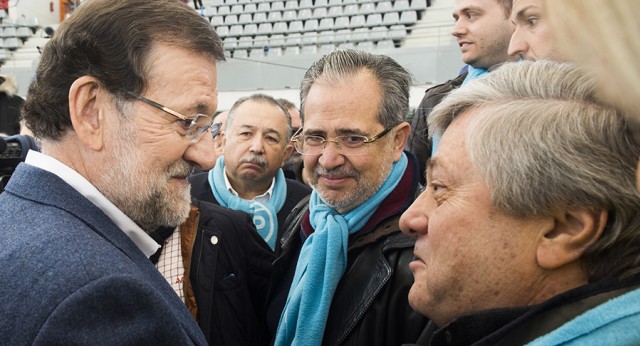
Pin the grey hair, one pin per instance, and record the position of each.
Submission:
(395, 81)
(543, 142)
(262, 98)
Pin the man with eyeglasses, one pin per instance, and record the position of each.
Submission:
(120, 102)
(342, 276)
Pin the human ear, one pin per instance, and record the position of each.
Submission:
(401, 134)
(288, 150)
(570, 236)
(86, 99)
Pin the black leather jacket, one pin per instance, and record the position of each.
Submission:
(418, 142)
(370, 305)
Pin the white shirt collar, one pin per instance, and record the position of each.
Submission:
(146, 244)
(263, 198)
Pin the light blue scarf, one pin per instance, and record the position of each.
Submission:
(323, 260)
(265, 216)
(472, 73)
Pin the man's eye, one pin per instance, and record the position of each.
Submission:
(533, 21)
(185, 123)
(351, 141)
(313, 140)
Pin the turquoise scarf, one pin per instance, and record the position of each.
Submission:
(265, 216)
(322, 262)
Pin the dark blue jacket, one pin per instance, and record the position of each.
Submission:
(71, 276)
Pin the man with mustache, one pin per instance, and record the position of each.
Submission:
(120, 102)
(248, 176)
(343, 275)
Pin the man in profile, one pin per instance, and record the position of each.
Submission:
(538, 246)
(120, 101)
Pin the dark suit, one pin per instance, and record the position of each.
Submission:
(71, 276)
(296, 191)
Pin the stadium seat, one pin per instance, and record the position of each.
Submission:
(397, 32)
(230, 43)
(261, 41)
(378, 33)
(289, 15)
(341, 23)
(390, 18)
(277, 6)
(250, 8)
(230, 19)
(274, 51)
(346, 45)
(250, 30)
(401, 5)
(335, 11)
(291, 5)
(274, 16)
(237, 9)
(418, 5)
(366, 46)
(222, 31)
(264, 29)
(296, 26)
(264, 7)
(210, 11)
(343, 35)
(320, 3)
(357, 21)
(367, 7)
(325, 24)
(325, 37)
(235, 30)
(385, 44)
(408, 17)
(319, 13)
(216, 21)
(350, 10)
(276, 40)
(311, 25)
(305, 4)
(245, 18)
(305, 14)
(293, 39)
(280, 28)
(259, 17)
(360, 34)
(384, 7)
(224, 10)
(245, 42)
(374, 19)
(309, 38)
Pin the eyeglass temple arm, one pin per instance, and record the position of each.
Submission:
(157, 105)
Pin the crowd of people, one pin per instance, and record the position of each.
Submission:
(505, 214)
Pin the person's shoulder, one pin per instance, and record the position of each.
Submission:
(297, 188)
(211, 213)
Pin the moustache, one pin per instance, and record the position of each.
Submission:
(255, 159)
(342, 171)
(180, 169)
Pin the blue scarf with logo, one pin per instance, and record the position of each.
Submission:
(265, 215)
(322, 262)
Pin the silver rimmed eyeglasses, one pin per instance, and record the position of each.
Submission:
(349, 145)
(193, 128)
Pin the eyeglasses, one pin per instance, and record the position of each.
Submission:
(351, 145)
(215, 128)
(192, 128)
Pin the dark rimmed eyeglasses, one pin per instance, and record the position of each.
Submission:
(350, 145)
(193, 128)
